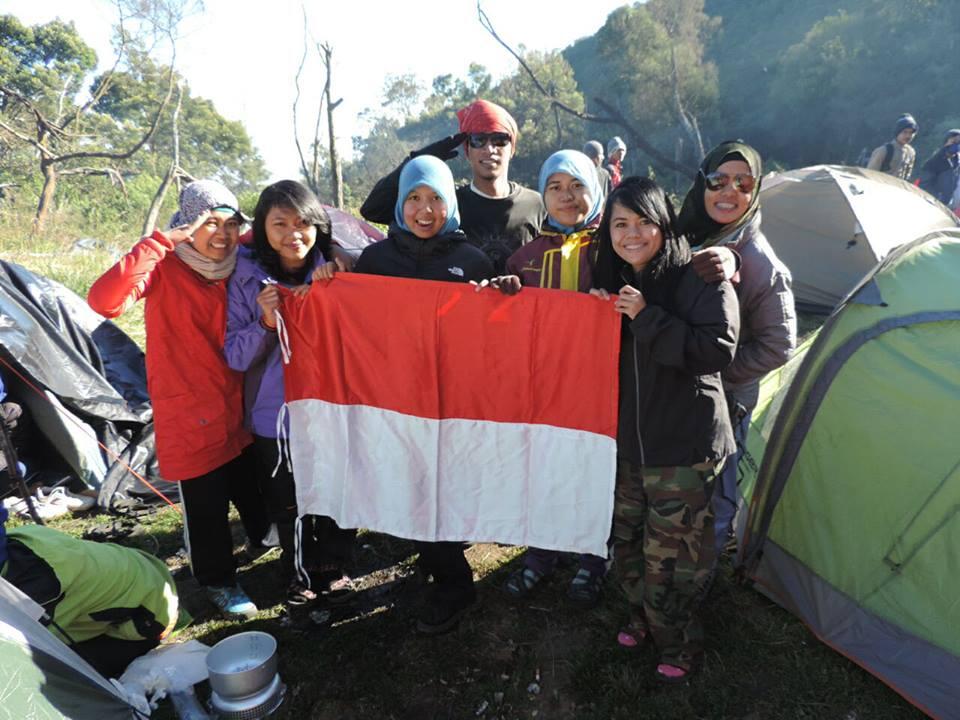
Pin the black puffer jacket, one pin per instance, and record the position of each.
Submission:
(672, 406)
(443, 257)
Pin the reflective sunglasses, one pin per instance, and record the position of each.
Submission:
(480, 140)
(742, 182)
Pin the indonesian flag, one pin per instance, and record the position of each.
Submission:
(430, 411)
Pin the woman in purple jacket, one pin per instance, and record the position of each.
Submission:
(291, 236)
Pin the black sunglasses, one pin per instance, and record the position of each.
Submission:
(743, 182)
(480, 140)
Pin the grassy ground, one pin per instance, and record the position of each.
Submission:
(535, 659)
(540, 658)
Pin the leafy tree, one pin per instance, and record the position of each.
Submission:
(826, 79)
(543, 128)
(647, 65)
(210, 145)
(42, 108)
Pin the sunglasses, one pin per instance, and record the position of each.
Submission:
(481, 140)
(742, 182)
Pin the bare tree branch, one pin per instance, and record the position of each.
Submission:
(336, 172)
(150, 221)
(488, 26)
(44, 127)
(688, 120)
(43, 150)
(309, 176)
(612, 117)
(143, 140)
(639, 140)
(115, 177)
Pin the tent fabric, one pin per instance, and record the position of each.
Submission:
(351, 232)
(858, 488)
(43, 678)
(831, 225)
(92, 377)
(880, 646)
(504, 411)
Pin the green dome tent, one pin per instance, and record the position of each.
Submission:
(43, 678)
(853, 477)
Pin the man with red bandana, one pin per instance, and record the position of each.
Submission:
(497, 215)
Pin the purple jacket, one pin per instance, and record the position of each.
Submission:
(252, 349)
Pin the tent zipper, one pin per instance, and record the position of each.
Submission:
(636, 399)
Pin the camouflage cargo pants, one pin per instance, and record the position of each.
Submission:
(663, 551)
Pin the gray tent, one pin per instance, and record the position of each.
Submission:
(831, 225)
(44, 679)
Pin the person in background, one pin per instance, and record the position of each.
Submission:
(111, 604)
(616, 152)
(897, 157)
(721, 216)
(197, 399)
(940, 173)
(679, 333)
(562, 258)
(497, 215)
(291, 236)
(594, 150)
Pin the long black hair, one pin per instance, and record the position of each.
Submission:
(644, 197)
(294, 196)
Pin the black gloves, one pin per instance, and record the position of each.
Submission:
(445, 149)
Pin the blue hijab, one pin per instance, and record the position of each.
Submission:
(578, 165)
(434, 173)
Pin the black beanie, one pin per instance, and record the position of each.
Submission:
(905, 121)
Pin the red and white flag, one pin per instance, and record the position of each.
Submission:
(429, 411)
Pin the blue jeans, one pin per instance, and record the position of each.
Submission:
(725, 495)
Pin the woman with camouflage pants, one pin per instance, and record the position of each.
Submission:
(674, 431)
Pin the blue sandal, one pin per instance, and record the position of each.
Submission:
(585, 588)
(522, 582)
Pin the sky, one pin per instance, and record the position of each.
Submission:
(244, 55)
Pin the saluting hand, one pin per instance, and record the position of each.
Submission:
(184, 233)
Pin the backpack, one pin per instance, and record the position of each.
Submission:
(864, 158)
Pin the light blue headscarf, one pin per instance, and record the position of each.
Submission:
(578, 165)
(434, 173)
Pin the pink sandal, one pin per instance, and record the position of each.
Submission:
(672, 674)
(631, 636)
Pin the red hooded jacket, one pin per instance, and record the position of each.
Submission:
(197, 400)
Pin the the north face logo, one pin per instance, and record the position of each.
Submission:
(455, 271)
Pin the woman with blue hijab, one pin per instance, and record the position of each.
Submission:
(562, 256)
(425, 240)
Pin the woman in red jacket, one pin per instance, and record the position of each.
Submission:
(197, 399)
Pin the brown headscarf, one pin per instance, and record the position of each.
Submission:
(700, 229)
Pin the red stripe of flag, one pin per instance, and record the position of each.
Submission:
(442, 350)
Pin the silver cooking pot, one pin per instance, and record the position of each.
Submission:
(242, 665)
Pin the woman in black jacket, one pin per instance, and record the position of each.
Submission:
(674, 430)
(425, 242)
